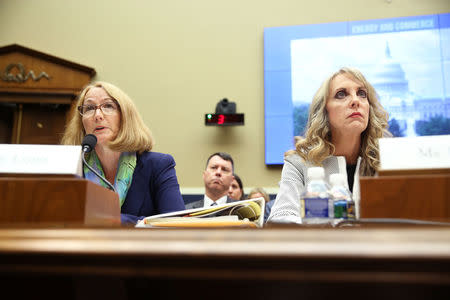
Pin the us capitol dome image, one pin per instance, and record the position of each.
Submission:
(391, 83)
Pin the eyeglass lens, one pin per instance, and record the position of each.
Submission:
(107, 108)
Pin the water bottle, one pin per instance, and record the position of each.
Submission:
(341, 198)
(315, 198)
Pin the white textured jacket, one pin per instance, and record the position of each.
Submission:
(286, 208)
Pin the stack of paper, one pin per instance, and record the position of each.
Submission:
(244, 213)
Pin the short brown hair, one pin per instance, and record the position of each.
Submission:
(222, 155)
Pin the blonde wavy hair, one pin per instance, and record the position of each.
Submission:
(316, 146)
(133, 135)
(260, 190)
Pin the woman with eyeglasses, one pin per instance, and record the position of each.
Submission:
(146, 181)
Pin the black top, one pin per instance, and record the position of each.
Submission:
(351, 176)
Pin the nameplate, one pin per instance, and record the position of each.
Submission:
(409, 153)
(40, 159)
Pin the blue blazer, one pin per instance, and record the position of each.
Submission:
(154, 188)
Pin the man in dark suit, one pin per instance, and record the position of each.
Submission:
(217, 177)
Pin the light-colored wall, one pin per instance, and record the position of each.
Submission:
(178, 58)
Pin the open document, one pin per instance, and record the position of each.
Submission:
(244, 213)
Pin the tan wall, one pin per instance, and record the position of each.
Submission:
(178, 58)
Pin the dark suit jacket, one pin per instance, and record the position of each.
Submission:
(267, 209)
(154, 188)
(201, 202)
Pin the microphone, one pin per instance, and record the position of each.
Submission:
(88, 144)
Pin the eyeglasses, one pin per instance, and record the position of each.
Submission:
(107, 108)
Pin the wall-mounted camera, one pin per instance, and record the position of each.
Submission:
(225, 115)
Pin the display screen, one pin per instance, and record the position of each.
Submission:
(406, 59)
(224, 119)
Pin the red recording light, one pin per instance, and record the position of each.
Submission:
(224, 119)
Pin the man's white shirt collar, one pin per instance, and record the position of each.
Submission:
(207, 201)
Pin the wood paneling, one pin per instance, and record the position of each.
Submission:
(411, 263)
(422, 197)
(64, 76)
(44, 123)
(41, 103)
(6, 122)
(47, 200)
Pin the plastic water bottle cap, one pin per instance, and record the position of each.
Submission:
(337, 179)
(316, 173)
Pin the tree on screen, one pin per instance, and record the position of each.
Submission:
(395, 129)
(300, 119)
(435, 126)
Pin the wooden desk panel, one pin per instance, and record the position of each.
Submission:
(56, 200)
(261, 263)
(422, 197)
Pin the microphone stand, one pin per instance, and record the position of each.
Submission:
(111, 187)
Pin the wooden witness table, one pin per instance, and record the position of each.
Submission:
(276, 262)
(61, 238)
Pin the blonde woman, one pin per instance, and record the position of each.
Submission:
(260, 192)
(145, 180)
(344, 124)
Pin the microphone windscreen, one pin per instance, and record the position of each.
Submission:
(89, 141)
